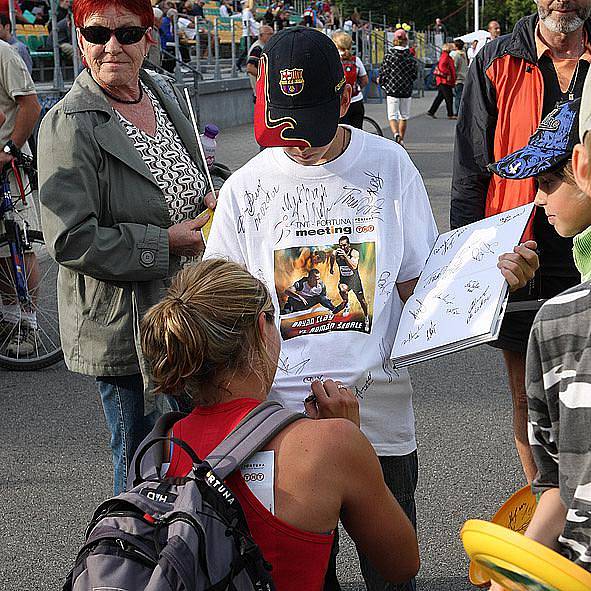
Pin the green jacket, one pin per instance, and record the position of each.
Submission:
(105, 222)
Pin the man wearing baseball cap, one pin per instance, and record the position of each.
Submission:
(353, 206)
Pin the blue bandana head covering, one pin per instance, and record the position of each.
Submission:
(548, 147)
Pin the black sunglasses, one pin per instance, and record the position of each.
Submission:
(124, 35)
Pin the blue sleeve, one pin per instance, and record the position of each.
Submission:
(166, 32)
(24, 53)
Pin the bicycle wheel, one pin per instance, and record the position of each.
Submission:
(45, 339)
(372, 126)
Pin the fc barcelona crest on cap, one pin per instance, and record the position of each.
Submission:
(292, 81)
(299, 90)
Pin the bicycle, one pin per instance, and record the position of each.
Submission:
(372, 126)
(29, 326)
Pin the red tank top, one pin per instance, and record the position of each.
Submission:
(299, 558)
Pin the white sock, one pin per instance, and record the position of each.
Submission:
(13, 313)
(30, 318)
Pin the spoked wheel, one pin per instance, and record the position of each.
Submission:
(29, 335)
(372, 126)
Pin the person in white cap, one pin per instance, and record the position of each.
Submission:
(250, 31)
(155, 51)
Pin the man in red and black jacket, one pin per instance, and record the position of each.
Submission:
(513, 83)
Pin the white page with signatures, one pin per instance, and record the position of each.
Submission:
(460, 292)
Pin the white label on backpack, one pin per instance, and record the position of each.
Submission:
(259, 474)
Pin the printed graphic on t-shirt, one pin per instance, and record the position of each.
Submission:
(326, 288)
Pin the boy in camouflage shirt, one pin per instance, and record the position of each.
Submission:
(558, 369)
(558, 380)
(558, 373)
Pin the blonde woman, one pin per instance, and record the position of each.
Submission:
(214, 338)
(355, 75)
(445, 78)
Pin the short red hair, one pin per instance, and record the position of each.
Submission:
(82, 9)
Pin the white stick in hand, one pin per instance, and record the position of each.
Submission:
(198, 137)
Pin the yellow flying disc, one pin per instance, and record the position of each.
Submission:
(205, 230)
(515, 514)
(519, 563)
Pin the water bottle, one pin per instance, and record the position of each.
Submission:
(209, 143)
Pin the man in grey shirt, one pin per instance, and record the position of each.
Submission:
(458, 55)
(7, 36)
(254, 54)
(19, 103)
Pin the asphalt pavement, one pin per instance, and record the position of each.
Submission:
(55, 459)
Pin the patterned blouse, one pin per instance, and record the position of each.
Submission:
(183, 184)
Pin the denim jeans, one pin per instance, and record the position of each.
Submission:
(458, 91)
(401, 475)
(123, 405)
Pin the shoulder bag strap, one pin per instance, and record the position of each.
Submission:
(252, 433)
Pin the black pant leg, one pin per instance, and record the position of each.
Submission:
(449, 100)
(438, 100)
(401, 475)
(331, 582)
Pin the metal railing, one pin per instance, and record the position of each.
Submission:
(209, 46)
(214, 48)
(373, 40)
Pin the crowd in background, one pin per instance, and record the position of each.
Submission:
(34, 12)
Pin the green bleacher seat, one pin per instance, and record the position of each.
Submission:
(34, 43)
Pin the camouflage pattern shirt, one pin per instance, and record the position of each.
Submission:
(558, 381)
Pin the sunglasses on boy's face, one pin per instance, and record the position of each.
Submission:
(102, 35)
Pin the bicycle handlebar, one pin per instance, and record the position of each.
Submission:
(20, 159)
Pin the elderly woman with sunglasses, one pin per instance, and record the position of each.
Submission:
(121, 187)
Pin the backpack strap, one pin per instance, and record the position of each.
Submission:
(255, 430)
(147, 460)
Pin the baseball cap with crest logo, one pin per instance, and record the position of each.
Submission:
(299, 88)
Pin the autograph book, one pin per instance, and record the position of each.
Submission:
(461, 296)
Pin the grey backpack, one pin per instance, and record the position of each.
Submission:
(180, 534)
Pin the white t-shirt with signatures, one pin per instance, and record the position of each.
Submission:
(360, 224)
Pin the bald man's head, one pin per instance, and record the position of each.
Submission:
(494, 28)
(265, 33)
